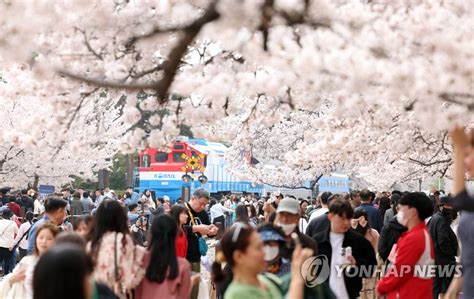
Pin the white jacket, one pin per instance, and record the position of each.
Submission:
(8, 230)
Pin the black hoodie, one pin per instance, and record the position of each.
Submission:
(389, 236)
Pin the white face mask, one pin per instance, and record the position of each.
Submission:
(401, 219)
(287, 228)
(271, 252)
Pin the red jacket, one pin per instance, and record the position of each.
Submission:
(409, 277)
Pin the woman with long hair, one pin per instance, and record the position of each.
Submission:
(242, 250)
(167, 275)
(18, 284)
(252, 213)
(63, 272)
(83, 226)
(384, 205)
(241, 214)
(117, 260)
(360, 224)
(180, 215)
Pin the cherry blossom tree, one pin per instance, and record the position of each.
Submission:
(33, 149)
(314, 84)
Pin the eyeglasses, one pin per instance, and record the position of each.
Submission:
(237, 230)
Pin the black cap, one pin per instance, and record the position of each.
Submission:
(445, 200)
(420, 201)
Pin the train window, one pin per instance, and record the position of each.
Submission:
(161, 157)
(145, 160)
(178, 147)
(177, 157)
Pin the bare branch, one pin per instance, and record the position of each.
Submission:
(88, 45)
(107, 84)
(148, 71)
(188, 34)
(426, 164)
(455, 96)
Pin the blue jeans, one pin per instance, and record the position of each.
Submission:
(13, 260)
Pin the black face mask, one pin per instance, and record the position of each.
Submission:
(448, 213)
(454, 214)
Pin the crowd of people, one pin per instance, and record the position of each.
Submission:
(361, 244)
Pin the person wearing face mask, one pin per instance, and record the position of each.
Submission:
(414, 250)
(389, 235)
(287, 216)
(445, 244)
(273, 241)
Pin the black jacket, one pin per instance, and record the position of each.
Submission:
(318, 225)
(193, 255)
(362, 251)
(27, 202)
(444, 240)
(389, 236)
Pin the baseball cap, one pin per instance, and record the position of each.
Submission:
(289, 205)
(270, 235)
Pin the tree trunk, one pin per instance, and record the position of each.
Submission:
(36, 182)
(104, 181)
(129, 163)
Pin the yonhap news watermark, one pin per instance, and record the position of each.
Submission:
(316, 270)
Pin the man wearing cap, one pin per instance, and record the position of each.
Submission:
(445, 244)
(8, 230)
(288, 214)
(198, 225)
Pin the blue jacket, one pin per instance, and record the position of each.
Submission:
(32, 233)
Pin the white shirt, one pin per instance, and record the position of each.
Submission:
(148, 201)
(317, 213)
(336, 282)
(38, 207)
(99, 200)
(302, 224)
(218, 210)
(23, 229)
(8, 230)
